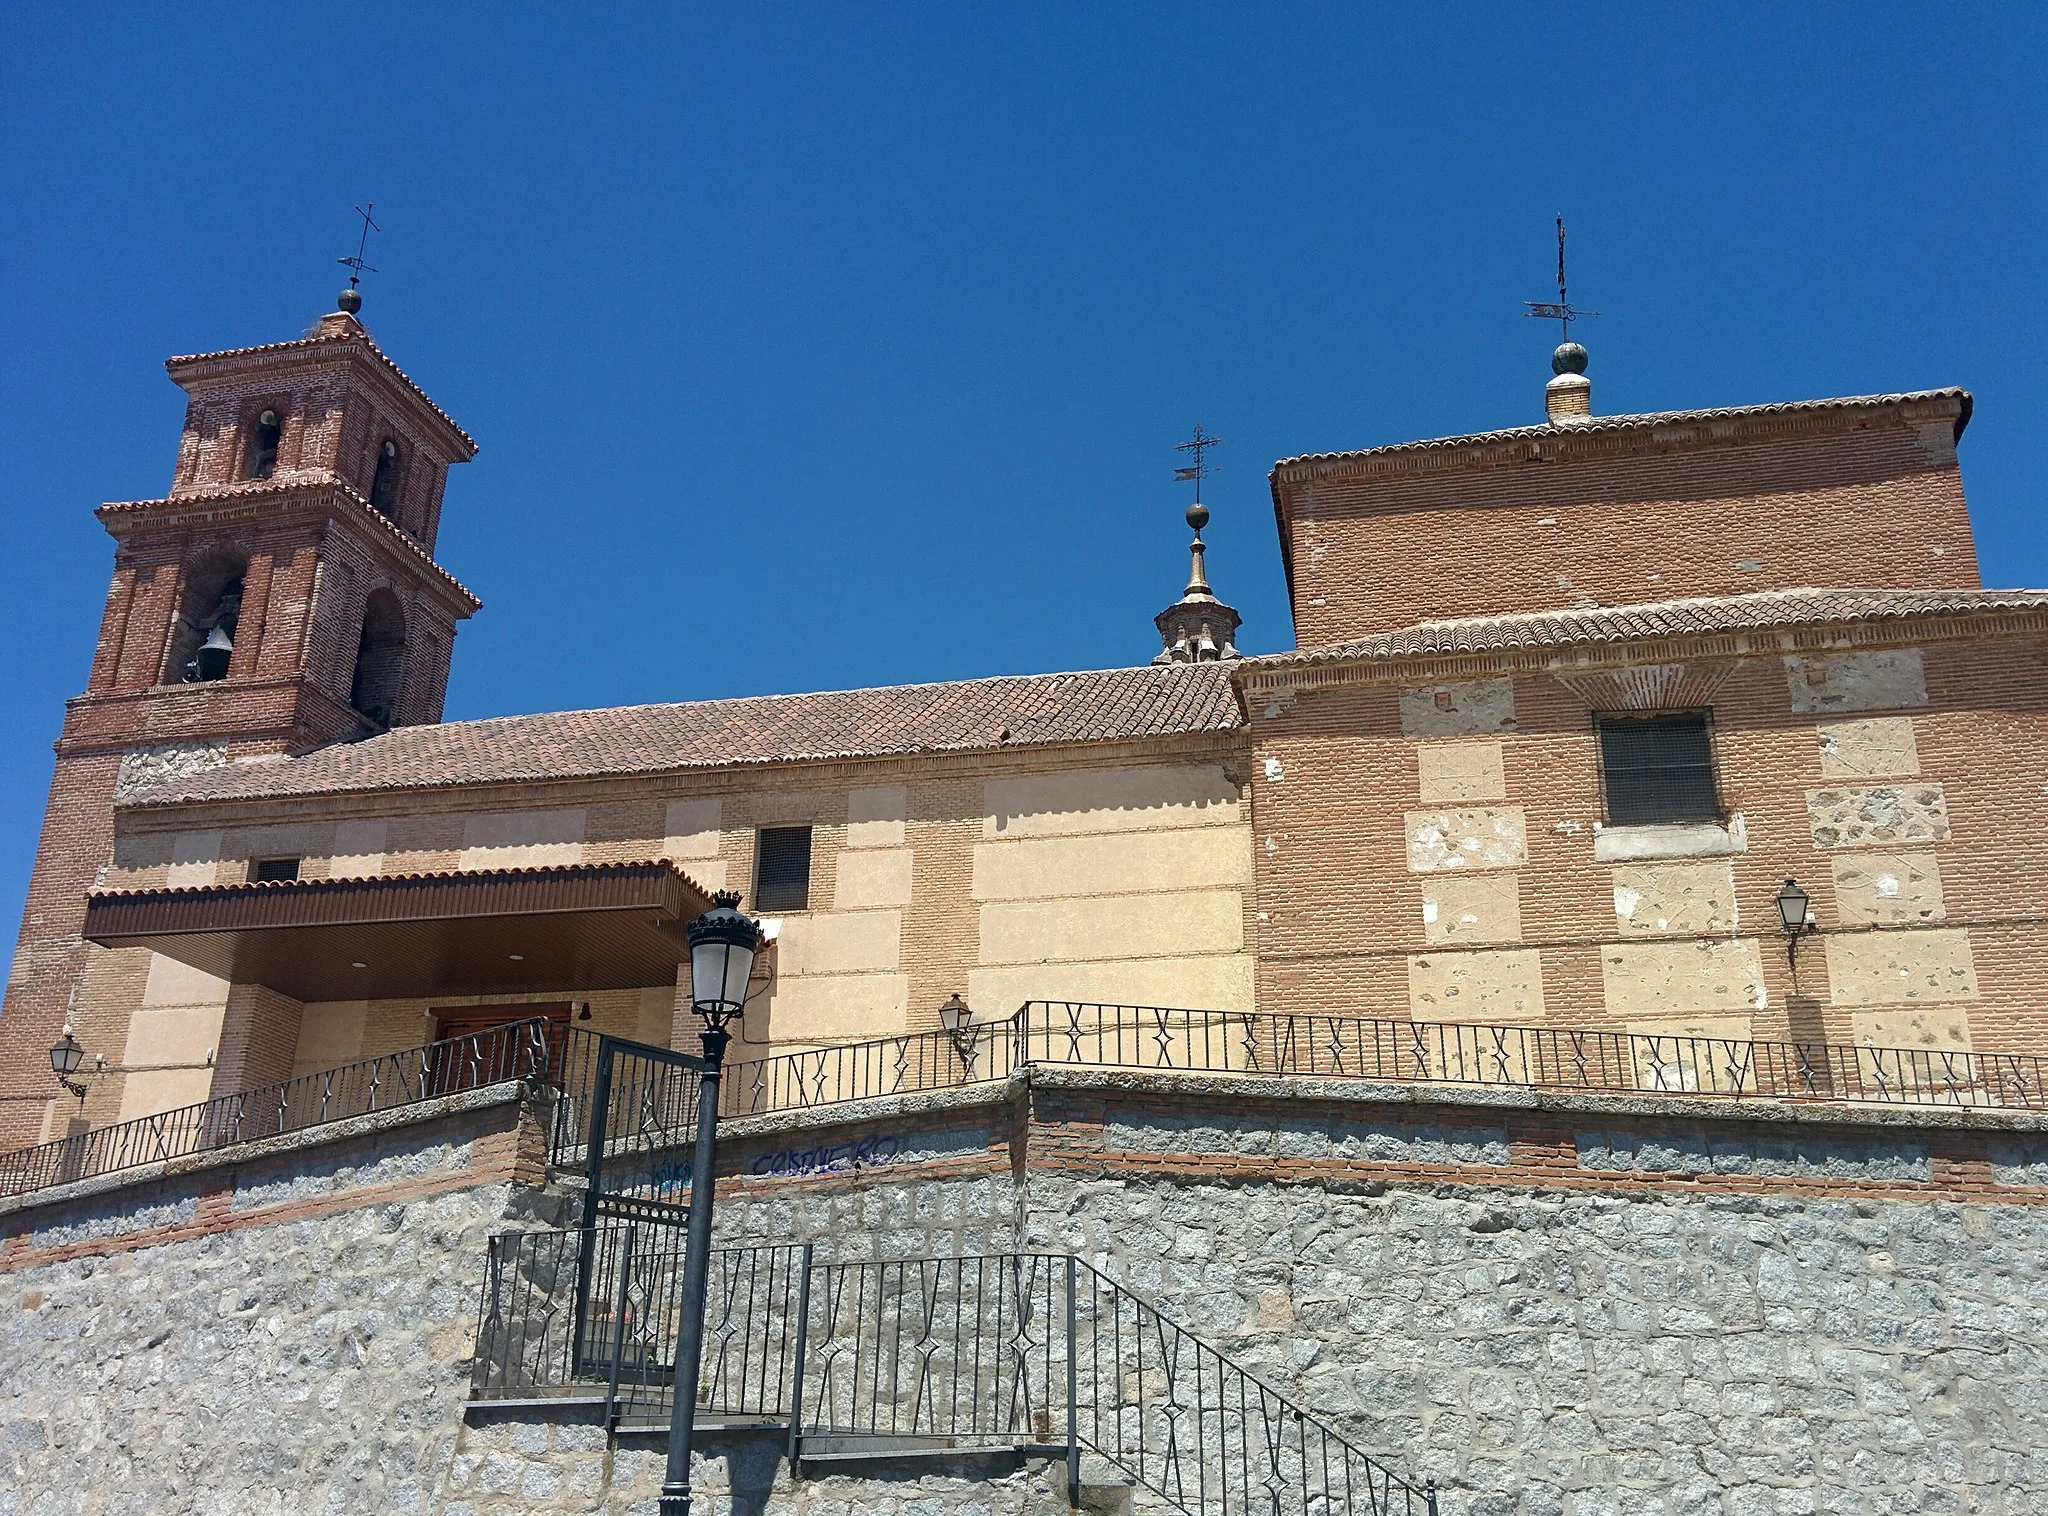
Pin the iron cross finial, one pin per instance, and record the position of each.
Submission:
(1561, 310)
(1201, 468)
(355, 266)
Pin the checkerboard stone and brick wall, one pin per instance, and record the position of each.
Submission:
(1429, 833)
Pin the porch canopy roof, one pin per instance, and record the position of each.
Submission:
(589, 926)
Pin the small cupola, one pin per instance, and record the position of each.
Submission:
(1197, 628)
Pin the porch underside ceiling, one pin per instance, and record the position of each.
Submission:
(582, 927)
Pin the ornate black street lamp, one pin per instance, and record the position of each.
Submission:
(65, 1058)
(722, 947)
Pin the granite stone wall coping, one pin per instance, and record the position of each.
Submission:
(370, 1123)
(1241, 1087)
(1181, 1084)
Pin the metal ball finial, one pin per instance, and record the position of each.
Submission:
(1198, 515)
(1570, 358)
(350, 300)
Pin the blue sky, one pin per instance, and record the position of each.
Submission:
(840, 345)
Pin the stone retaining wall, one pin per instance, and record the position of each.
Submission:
(284, 1327)
(1550, 1304)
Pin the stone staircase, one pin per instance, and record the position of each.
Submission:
(1011, 1369)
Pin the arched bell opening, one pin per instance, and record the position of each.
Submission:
(380, 658)
(209, 616)
(384, 488)
(264, 437)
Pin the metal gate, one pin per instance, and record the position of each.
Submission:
(639, 1141)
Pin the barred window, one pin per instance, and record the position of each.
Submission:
(1658, 769)
(267, 870)
(782, 872)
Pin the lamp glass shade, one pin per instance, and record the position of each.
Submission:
(955, 1014)
(1792, 903)
(722, 947)
(66, 1056)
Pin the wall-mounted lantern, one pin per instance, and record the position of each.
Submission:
(956, 1018)
(65, 1058)
(1796, 917)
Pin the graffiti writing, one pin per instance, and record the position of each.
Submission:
(831, 1158)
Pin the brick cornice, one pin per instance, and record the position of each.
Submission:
(300, 501)
(1257, 681)
(301, 715)
(1617, 436)
(338, 341)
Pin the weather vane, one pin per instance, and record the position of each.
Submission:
(1562, 310)
(1201, 468)
(351, 299)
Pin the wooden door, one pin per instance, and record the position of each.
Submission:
(472, 1051)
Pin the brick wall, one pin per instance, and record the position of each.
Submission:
(895, 915)
(1864, 499)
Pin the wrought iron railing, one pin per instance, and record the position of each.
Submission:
(1363, 1047)
(533, 1341)
(862, 1070)
(1002, 1350)
(1087, 1034)
(517, 1050)
(656, 1116)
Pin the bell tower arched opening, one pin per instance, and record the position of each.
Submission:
(380, 658)
(209, 615)
(264, 437)
(384, 488)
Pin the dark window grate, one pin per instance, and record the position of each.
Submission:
(1659, 770)
(265, 869)
(782, 877)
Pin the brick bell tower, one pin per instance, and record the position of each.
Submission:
(282, 596)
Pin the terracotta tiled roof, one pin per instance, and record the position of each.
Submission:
(1649, 420)
(1663, 618)
(1019, 711)
(331, 330)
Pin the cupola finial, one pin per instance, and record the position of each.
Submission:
(351, 298)
(1568, 397)
(1197, 628)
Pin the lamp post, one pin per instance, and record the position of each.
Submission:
(722, 947)
(65, 1058)
(1795, 917)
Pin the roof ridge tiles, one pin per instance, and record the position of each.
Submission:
(1599, 425)
(1688, 615)
(988, 713)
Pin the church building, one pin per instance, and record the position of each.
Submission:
(1570, 704)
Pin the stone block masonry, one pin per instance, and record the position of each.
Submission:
(286, 1332)
(1551, 1304)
